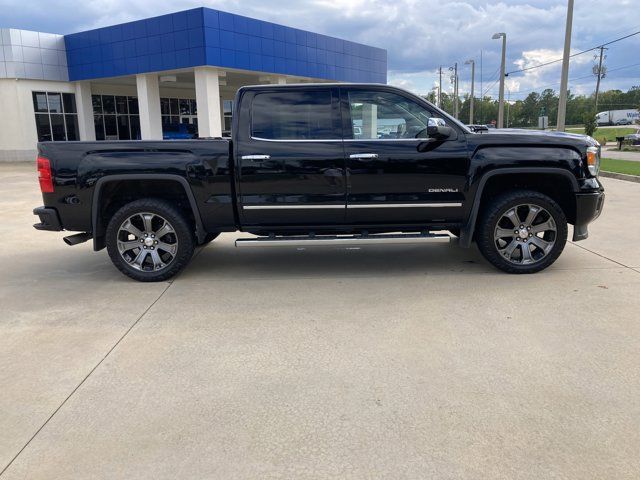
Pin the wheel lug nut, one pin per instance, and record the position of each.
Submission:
(515, 231)
(152, 248)
(153, 236)
(146, 235)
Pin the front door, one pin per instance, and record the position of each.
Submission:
(291, 160)
(394, 176)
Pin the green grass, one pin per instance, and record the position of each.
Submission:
(609, 133)
(620, 166)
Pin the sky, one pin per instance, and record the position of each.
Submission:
(419, 35)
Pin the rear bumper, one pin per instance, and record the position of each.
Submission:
(49, 219)
(588, 208)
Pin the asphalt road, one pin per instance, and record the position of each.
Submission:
(386, 362)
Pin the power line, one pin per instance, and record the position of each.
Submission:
(572, 55)
(574, 79)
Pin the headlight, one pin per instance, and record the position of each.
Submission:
(593, 160)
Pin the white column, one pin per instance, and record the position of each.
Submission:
(208, 100)
(85, 111)
(149, 106)
(369, 120)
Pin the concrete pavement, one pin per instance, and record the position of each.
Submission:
(385, 362)
(613, 152)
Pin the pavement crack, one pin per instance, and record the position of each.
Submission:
(605, 257)
(113, 347)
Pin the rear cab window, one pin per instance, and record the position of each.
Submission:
(294, 115)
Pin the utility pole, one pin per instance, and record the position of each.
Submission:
(502, 75)
(473, 77)
(600, 72)
(564, 79)
(508, 105)
(454, 80)
(440, 87)
(481, 90)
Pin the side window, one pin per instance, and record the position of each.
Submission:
(293, 115)
(384, 115)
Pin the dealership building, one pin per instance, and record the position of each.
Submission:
(165, 76)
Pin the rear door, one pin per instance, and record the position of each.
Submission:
(290, 157)
(394, 177)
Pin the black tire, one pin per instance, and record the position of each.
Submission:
(179, 237)
(509, 257)
(209, 237)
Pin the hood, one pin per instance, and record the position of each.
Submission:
(541, 135)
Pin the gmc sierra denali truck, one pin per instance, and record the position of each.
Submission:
(325, 164)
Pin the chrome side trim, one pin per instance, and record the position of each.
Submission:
(405, 205)
(292, 207)
(332, 241)
(341, 140)
(363, 155)
(301, 140)
(255, 157)
(356, 206)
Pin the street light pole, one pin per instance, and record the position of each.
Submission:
(440, 88)
(502, 72)
(564, 79)
(473, 76)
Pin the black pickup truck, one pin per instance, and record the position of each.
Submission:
(325, 164)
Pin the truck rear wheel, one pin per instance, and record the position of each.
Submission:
(522, 232)
(149, 240)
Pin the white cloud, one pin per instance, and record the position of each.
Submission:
(419, 35)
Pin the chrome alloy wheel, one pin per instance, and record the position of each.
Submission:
(525, 234)
(147, 242)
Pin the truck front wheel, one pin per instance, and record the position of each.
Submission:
(522, 232)
(149, 240)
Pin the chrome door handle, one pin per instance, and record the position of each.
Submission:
(256, 157)
(363, 155)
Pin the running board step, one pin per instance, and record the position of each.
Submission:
(342, 240)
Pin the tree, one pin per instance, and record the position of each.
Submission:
(590, 122)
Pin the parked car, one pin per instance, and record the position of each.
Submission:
(478, 128)
(633, 138)
(623, 121)
(294, 173)
(179, 131)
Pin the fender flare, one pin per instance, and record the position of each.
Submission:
(95, 201)
(467, 231)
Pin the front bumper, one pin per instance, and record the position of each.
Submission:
(49, 219)
(588, 208)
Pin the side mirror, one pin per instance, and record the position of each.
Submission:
(439, 132)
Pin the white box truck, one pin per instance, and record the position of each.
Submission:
(618, 117)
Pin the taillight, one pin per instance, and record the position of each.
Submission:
(44, 175)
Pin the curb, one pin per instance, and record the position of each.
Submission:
(621, 176)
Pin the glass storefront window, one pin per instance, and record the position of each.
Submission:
(122, 106)
(108, 104)
(43, 127)
(56, 116)
(173, 102)
(55, 102)
(69, 100)
(40, 102)
(97, 103)
(133, 105)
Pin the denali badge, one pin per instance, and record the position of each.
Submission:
(443, 190)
